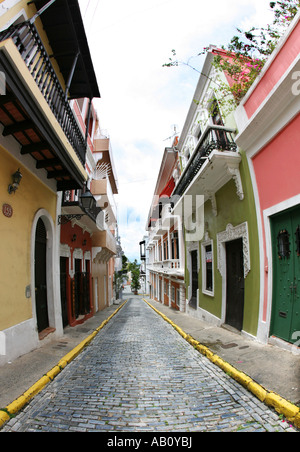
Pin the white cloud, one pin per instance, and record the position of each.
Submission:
(141, 100)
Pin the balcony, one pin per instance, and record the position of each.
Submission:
(104, 246)
(102, 191)
(35, 111)
(73, 210)
(214, 161)
(169, 267)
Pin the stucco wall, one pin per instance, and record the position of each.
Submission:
(15, 248)
(230, 210)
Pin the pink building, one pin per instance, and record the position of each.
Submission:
(269, 132)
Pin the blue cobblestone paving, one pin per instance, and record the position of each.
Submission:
(140, 375)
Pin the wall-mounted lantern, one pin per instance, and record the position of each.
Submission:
(87, 203)
(87, 200)
(16, 177)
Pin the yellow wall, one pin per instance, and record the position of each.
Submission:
(15, 238)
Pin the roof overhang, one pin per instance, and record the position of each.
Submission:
(64, 27)
(32, 123)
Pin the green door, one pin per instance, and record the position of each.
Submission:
(285, 322)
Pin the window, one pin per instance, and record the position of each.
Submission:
(208, 261)
(174, 245)
(159, 253)
(177, 297)
(216, 114)
(283, 239)
(207, 268)
(166, 250)
(173, 294)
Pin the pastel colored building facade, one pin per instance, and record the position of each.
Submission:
(212, 201)
(106, 249)
(88, 243)
(164, 246)
(49, 218)
(216, 203)
(269, 123)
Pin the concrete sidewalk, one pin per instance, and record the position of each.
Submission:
(273, 368)
(22, 373)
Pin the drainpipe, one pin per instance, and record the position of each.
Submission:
(32, 20)
(71, 74)
(88, 121)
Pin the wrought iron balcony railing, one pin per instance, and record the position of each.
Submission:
(29, 44)
(67, 201)
(215, 138)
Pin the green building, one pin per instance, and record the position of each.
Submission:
(214, 198)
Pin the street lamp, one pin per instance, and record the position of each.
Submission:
(87, 200)
(17, 176)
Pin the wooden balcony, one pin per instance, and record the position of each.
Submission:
(35, 110)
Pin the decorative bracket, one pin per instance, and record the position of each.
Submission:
(236, 176)
(63, 219)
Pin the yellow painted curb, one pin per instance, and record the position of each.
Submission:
(4, 417)
(257, 390)
(282, 406)
(53, 372)
(20, 402)
(296, 421)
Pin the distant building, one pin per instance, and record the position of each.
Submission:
(165, 243)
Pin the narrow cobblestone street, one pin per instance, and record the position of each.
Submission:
(140, 375)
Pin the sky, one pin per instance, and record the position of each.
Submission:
(141, 101)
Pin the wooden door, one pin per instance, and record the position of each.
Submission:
(78, 288)
(285, 321)
(63, 289)
(40, 267)
(235, 284)
(194, 277)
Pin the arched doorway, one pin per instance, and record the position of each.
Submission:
(40, 272)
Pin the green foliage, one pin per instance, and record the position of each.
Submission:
(119, 275)
(134, 268)
(245, 56)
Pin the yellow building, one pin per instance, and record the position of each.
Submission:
(44, 64)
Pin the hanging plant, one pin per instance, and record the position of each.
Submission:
(245, 56)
